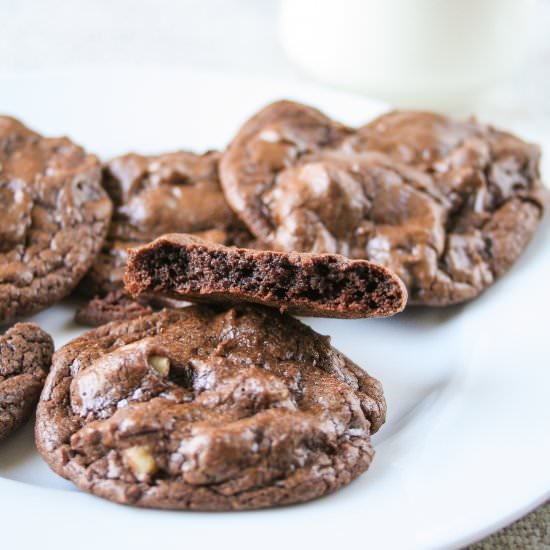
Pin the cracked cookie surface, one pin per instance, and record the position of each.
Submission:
(54, 216)
(157, 194)
(25, 357)
(207, 409)
(447, 205)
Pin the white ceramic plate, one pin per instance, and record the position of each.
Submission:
(466, 448)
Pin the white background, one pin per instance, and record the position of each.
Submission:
(228, 35)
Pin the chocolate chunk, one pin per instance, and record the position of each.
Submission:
(207, 410)
(54, 216)
(320, 285)
(25, 357)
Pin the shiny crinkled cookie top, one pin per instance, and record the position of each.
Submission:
(447, 205)
(25, 357)
(54, 216)
(207, 409)
(172, 192)
(418, 138)
(158, 194)
(272, 141)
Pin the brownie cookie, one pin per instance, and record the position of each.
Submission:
(118, 305)
(114, 306)
(25, 357)
(270, 142)
(54, 216)
(447, 205)
(207, 410)
(418, 138)
(153, 195)
(320, 285)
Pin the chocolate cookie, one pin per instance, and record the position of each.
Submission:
(118, 305)
(273, 140)
(320, 285)
(25, 357)
(54, 216)
(447, 205)
(419, 138)
(153, 195)
(114, 306)
(207, 410)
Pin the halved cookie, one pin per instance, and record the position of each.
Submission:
(319, 285)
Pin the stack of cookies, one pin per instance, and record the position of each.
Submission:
(233, 403)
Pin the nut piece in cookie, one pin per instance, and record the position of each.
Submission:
(320, 285)
(447, 205)
(205, 409)
(25, 357)
(153, 195)
(54, 216)
(141, 462)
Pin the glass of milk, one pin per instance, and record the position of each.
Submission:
(413, 53)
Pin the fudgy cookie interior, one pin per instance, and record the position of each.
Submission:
(184, 266)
